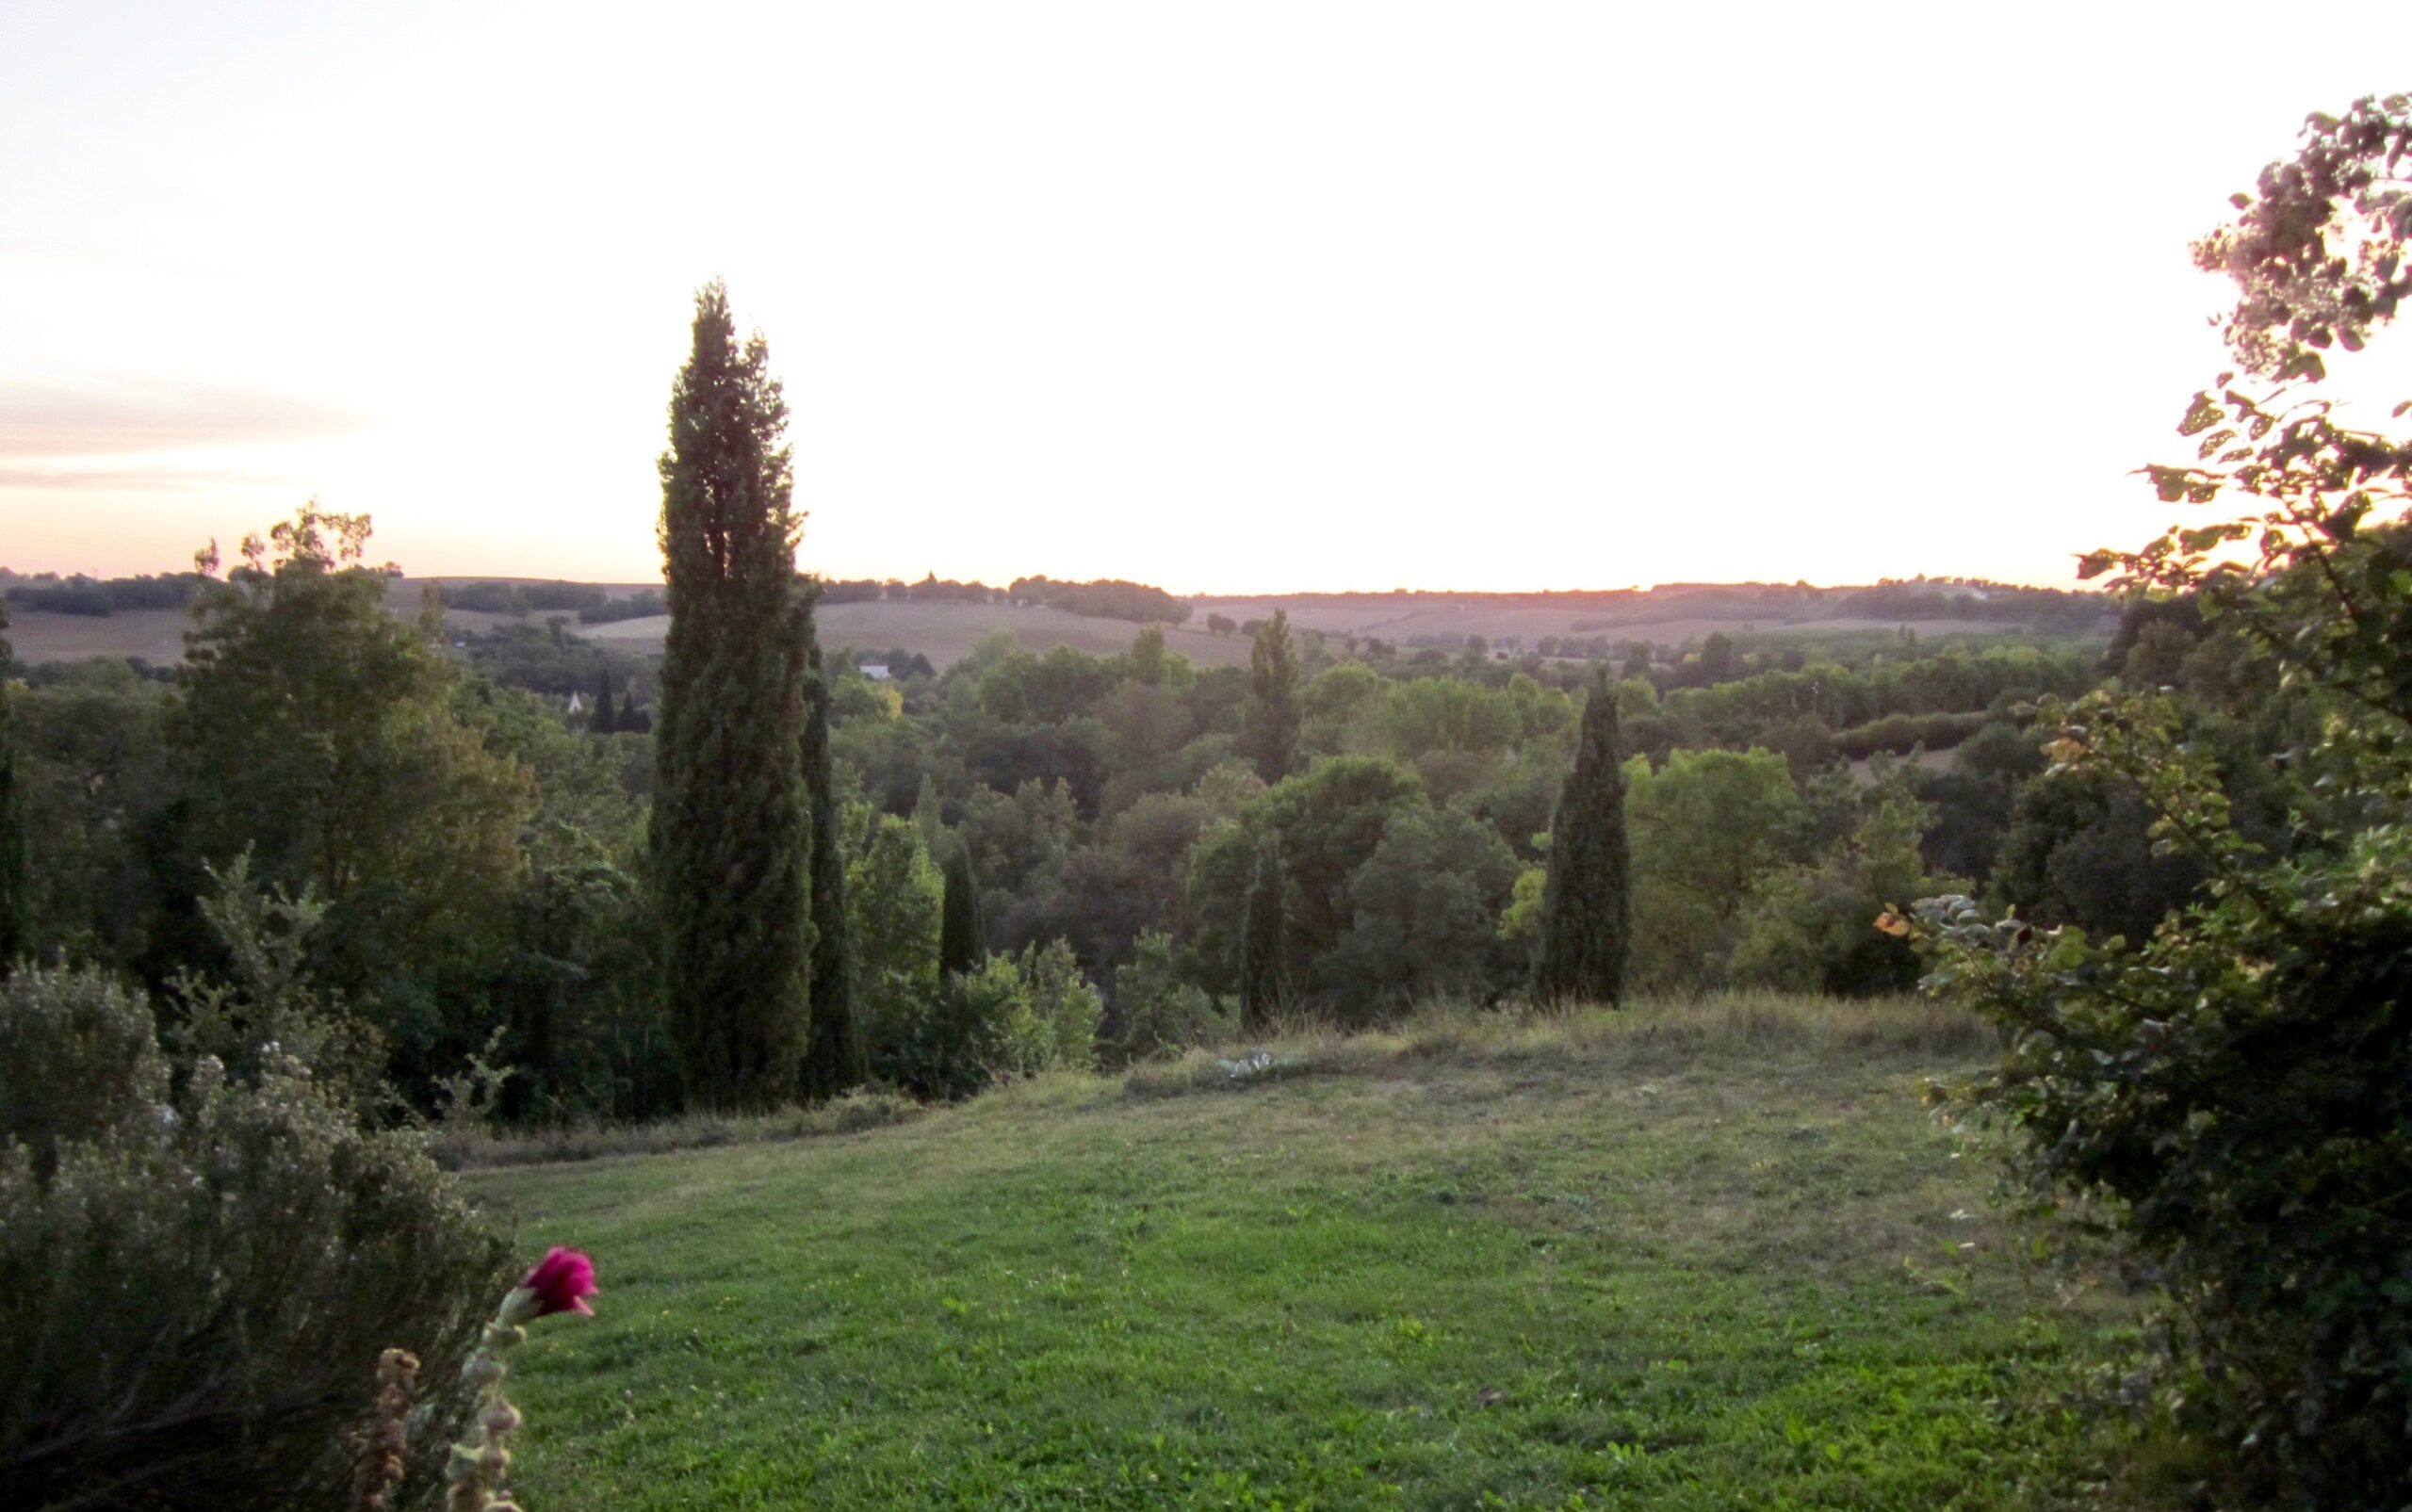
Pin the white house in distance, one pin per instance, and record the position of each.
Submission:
(875, 671)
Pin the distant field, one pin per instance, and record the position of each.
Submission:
(156, 635)
(1401, 622)
(946, 633)
(1692, 1256)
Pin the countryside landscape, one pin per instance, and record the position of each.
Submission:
(947, 907)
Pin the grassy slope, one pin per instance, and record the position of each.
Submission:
(1704, 1258)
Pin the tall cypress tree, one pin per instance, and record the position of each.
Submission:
(962, 935)
(603, 721)
(732, 817)
(1587, 903)
(16, 861)
(1264, 944)
(834, 1056)
(1270, 722)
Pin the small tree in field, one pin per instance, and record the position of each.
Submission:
(1586, 901)
(732, 818)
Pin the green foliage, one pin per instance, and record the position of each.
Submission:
(1425, 908)
(1147, 657)
(198, 1272)
(2078, 849)
(1586, 925)
(835, 1061)
(1269, 725)
(1046, 1014)
(893, 896)
(1809, 928)
(266, 1010)
(1157, 1013)
(2230, 1099)
(93, 772)
(1520, 922)
(1705, 830)
(732, 816)
(1323, 825)
(963, 935)
(575, 994)
(322, 733)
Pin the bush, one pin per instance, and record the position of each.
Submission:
(1160, 1013)
(1049, 1012)
(197, 1272)
(2234, 1102)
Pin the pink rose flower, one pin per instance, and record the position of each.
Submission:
(562, 1281)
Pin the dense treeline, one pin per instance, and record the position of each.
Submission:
(99, 597)
(1107, 598)
(1127, 808)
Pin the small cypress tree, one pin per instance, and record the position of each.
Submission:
(1270, 722)
(632, 719)
(16, 861)
(962, 936)
(1264, 944)
(1586, 902)
(732, 820)
(602, 722)
(834, 1055)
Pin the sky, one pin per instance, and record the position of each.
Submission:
(1228, 296)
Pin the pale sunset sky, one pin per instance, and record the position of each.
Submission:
(1224, 296)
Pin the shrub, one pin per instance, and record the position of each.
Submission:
(1061, 1008)
(1160, 1013)
(198, 1273)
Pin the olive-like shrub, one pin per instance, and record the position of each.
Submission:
(198, 1271)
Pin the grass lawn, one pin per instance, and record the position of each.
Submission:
(1703, 1256)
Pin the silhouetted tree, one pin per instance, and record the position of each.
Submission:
(603, 721)
(732, 818)
(1587, 905)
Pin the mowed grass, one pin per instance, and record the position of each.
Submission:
(1690, 1255)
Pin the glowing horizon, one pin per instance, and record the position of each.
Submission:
(1278, 299)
